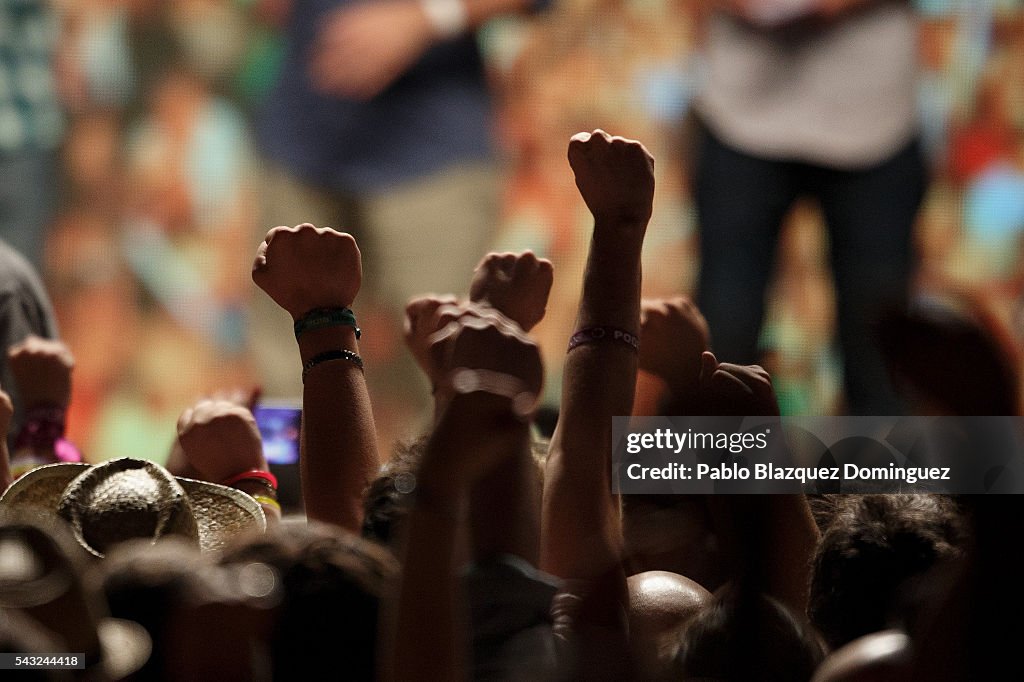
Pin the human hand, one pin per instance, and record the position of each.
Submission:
(42, 371)
(420, 323)
(673, 336)
(735, 390)
(219, 439)
(177, 462)
(476, 337)
(515, 284)
(361, 49)
(615, 177)
(306, 267)
(489, 361)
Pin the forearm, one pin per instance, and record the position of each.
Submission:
(428, 594)
(339, 441)
(769, 541)
(581, 536)
(503, 516)
(429, 590)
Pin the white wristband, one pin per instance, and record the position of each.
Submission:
(448, 18)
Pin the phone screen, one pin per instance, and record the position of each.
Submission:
(279, 429)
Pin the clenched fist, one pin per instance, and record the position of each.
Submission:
(42, 371)
(674, 335)
(306, 267)
(615, 177)
(516, 284)
(220, 439)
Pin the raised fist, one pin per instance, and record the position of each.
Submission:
(306, 267)
(219, 439)
(674, 334)
(615, 177)
(735, 390)
(476, 337)
(420, 323)
(42, 372)
(516, 284)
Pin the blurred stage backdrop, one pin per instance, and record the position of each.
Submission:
(148, 258)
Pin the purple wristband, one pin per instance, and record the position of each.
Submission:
(604, 333)
(42, 427)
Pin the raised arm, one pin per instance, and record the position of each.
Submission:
(315, 274)
(769, 540)
(492, 375)
(675, 334)
(42, 370)
(504, 503)
(581, 533)
(220, 442)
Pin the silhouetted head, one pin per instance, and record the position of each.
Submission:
(753, 638)
(660, 606)
(874, 547)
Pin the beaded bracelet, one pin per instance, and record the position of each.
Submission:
(603, 333)
(328, 356)
(318, 318)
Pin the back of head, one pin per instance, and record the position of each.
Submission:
(959, 361)
(737, 639)
(332, 585)
(660, 606)
(874, 545)
(147, 583)
(388, 499)
(878, 657)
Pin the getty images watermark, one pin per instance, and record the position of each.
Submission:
(700, 455)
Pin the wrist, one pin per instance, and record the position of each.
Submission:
(487, 392)
(321, 318)
(316, 341)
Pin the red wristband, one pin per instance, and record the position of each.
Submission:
(253, 474)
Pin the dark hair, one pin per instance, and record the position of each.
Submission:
(738, 639)
(389, 497)
(146, 583)
(332, 583)
(873, 546)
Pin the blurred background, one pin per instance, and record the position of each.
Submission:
(148, 256)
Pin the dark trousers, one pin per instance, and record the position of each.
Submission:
(741, 202)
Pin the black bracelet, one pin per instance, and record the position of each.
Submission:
(328, 356)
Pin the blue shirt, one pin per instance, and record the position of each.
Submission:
(434, 115)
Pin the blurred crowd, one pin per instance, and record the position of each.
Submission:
(147, 254)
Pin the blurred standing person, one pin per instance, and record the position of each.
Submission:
(380, 125)
(810, 98)
(31, 124)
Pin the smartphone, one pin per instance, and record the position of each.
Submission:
(279, 424)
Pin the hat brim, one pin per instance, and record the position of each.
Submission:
(221, 512)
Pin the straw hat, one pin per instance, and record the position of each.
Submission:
(130, 498)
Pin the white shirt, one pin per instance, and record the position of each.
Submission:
(840, 95)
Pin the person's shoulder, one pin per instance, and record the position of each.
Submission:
(14, 267)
